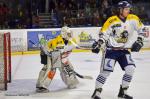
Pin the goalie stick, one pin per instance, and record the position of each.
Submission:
(83, 76)
(79, 47)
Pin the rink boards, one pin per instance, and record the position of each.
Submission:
(26, 40)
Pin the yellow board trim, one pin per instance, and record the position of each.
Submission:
(38, 52)
(75, 51)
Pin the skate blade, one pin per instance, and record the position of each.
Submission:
(96, 98)
(120, 98)
(42, 91)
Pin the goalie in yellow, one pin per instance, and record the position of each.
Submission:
(54, 54)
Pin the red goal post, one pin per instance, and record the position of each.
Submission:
(5, 60)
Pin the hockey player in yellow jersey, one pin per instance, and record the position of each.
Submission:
(115, 37)
(54, 55)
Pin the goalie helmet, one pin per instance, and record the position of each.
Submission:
(66, 32)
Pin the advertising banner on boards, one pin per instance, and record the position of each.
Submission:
(32, 38)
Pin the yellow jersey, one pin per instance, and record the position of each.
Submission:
(58, 44)
(119, 33)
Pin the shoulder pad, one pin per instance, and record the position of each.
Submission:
(132, 16)
(112, 19)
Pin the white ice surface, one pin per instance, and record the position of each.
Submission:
(25, 71)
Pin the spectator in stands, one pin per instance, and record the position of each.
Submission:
(105, 9)
(143, 15)
(1, 18)
(81, 4)
(35, 21)
(52, 5)
(72, 5)
(92, 3)
(79, 12)
(41, 5)
(67, 18)
(96, 18)
(3, 15)
(88, 14)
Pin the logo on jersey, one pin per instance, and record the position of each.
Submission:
(115, 26)
(121, 37)
(112, 20)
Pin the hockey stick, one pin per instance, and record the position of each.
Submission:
(79, 47)
(83, 76)
(83, 48)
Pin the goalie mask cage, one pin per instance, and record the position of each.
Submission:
(5, 60)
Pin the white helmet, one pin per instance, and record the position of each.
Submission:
(66, 32)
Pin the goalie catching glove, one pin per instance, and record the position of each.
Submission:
(96, 46)
(137, 45)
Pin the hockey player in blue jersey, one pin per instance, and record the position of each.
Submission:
(115, 38)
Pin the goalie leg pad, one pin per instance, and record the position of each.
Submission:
(68, 76)
(48, 78)
(41, 75)
(47, 74)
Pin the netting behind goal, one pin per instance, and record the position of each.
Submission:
(5, 60)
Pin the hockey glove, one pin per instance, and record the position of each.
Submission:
(137, 45)
(43, 59)
(96, 46)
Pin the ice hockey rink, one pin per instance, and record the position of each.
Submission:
(25, 69)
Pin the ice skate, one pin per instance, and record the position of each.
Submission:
(96, 94)
(42, 90)
(123, 95)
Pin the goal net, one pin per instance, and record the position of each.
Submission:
(5, 60)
